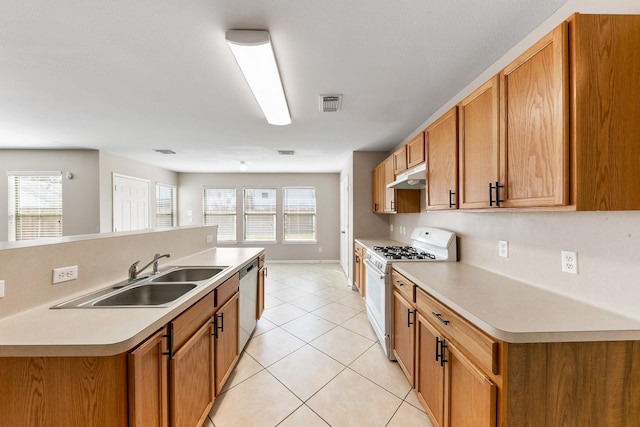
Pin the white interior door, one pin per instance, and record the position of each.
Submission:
(344, 226)
(130, 203)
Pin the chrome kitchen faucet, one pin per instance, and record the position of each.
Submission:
(134, 271)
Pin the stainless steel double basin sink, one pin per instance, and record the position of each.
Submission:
(159, 290)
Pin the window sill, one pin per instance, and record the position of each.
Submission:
(300, 242)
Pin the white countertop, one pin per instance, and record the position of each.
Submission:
(42, 331)
(513, 311)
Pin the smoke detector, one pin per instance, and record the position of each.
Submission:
(329, 103)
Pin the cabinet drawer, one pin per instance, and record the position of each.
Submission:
(227, 289)
(477, 345)
(186, 324)
(403, 285)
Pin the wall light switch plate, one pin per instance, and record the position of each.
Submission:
(503, 248)
(1, 288)
(569, 262)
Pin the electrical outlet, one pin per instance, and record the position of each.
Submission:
(503, 248)
(569, 262)
(64, 274)
(209, 238)
(320, 249)
(391, 227)
(1, 288)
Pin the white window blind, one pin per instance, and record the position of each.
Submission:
(260, 214)
(165, 206)
(220, 209)
(299, 214)
(35, 205)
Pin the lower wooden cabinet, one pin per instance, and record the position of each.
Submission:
(429, 376)
(359, 273)
(227, 340)
(148, 382)
(192, 379)
(403, 334)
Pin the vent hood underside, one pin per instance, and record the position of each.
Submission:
(413, 179)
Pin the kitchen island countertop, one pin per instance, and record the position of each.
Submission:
(44, 332)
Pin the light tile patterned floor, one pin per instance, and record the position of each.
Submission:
(314, 360)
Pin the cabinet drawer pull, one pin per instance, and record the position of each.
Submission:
(399, 283)
(169, 337)
(452, 204)
(439, 317)
(409, 322)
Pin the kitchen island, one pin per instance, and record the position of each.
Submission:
(126, 366)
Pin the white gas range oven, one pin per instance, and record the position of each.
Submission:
(427, 245)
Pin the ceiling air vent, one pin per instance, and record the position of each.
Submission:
(286, 152)
(164, 151)
(329, 103)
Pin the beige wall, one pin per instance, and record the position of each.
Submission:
(110, 164)
(80, 200)
(608, 243)
(26, 267)
(327, 186)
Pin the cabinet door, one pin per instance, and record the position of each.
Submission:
(442, 161)
(148, 385)
(400, 160)
(403, 334)
(192, 379)
(389, 193)
(357, 266)
(429, 378)
(471, 395)
(227, 341)
(535, 125)
(377, 189)
(479, 145)
(415, 151)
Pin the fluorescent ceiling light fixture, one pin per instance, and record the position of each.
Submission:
(254, 54)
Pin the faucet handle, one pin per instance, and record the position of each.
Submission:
(133, 270)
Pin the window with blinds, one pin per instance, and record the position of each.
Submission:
(260, 214)
(165, 206)
(299, 214)
(220, 209)
(35, 205)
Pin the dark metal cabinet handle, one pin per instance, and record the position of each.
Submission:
(452, 204)
(497, 200)
(409, 322)
(169, 337)
(443, 345)
(399, 283)
(217, 327)
(438, 348)
(375, 207)
(439, 317)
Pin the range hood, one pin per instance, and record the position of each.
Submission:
(413, 179)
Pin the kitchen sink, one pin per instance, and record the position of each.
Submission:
(159, 290)
(189, 274)
(146, 295)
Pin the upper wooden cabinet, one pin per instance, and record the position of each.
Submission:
(479, 145)
(534, 128)
(415, 150)
(390, 200)
(377, 189)
(400, 160)
(567, 110)
(605, 88)
(442, 160)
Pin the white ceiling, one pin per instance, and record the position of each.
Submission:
(129, 76)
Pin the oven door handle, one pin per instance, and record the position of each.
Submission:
(375, 269)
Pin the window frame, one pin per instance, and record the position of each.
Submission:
(13, 205)
(174, 213)
(285, 213)
(274, 214)
(206, 215)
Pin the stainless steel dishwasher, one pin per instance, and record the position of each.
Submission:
(248, 301)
